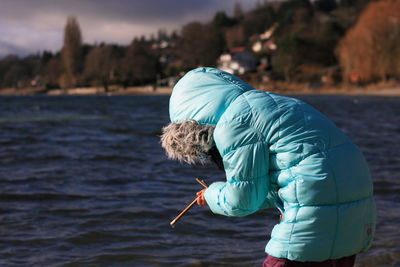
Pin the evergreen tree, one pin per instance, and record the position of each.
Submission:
(139, 66)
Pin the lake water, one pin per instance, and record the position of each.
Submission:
(84, 182)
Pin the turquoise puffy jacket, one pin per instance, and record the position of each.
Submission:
(280, 152)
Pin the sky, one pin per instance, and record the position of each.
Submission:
(31, 26)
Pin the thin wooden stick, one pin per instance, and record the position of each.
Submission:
(173, 222)
(202, 183)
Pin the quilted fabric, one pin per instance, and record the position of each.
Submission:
(281, 152)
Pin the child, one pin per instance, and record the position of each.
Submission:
(278, 152)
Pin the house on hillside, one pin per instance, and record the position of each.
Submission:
(238, 61)
(265, 42)
(264, 45)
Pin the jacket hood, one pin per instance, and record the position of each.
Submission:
(204, 94)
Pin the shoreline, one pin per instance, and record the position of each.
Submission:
(149, 90)
(347, 92)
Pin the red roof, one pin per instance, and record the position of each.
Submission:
(237, 49)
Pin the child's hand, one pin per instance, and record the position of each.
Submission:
(201, 201)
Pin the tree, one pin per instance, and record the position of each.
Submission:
(52, 72)
(286, 61)
(199, 45)
(101, 65)
(10, 71)
(257, 21)
(221, 20)
(370, 50)
(71, 53)
(237, 11)
(235, 36)
(325, 5)
(18, 73)
(357, 4)
(140, 63)
(294, 11)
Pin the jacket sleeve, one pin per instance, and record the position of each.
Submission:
(246, 163)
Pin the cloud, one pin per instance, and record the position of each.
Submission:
(34, 25)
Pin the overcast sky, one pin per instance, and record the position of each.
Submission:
(29, 26)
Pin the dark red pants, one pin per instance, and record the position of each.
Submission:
(277, 262)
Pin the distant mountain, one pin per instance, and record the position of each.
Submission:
(7, 48)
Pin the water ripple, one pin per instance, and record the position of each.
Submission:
(84, 182)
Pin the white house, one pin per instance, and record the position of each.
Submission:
(238, 61)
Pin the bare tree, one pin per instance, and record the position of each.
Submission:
(237, 11)
(71, 53)
(101, 66)
(370, 50)
(52, 71)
